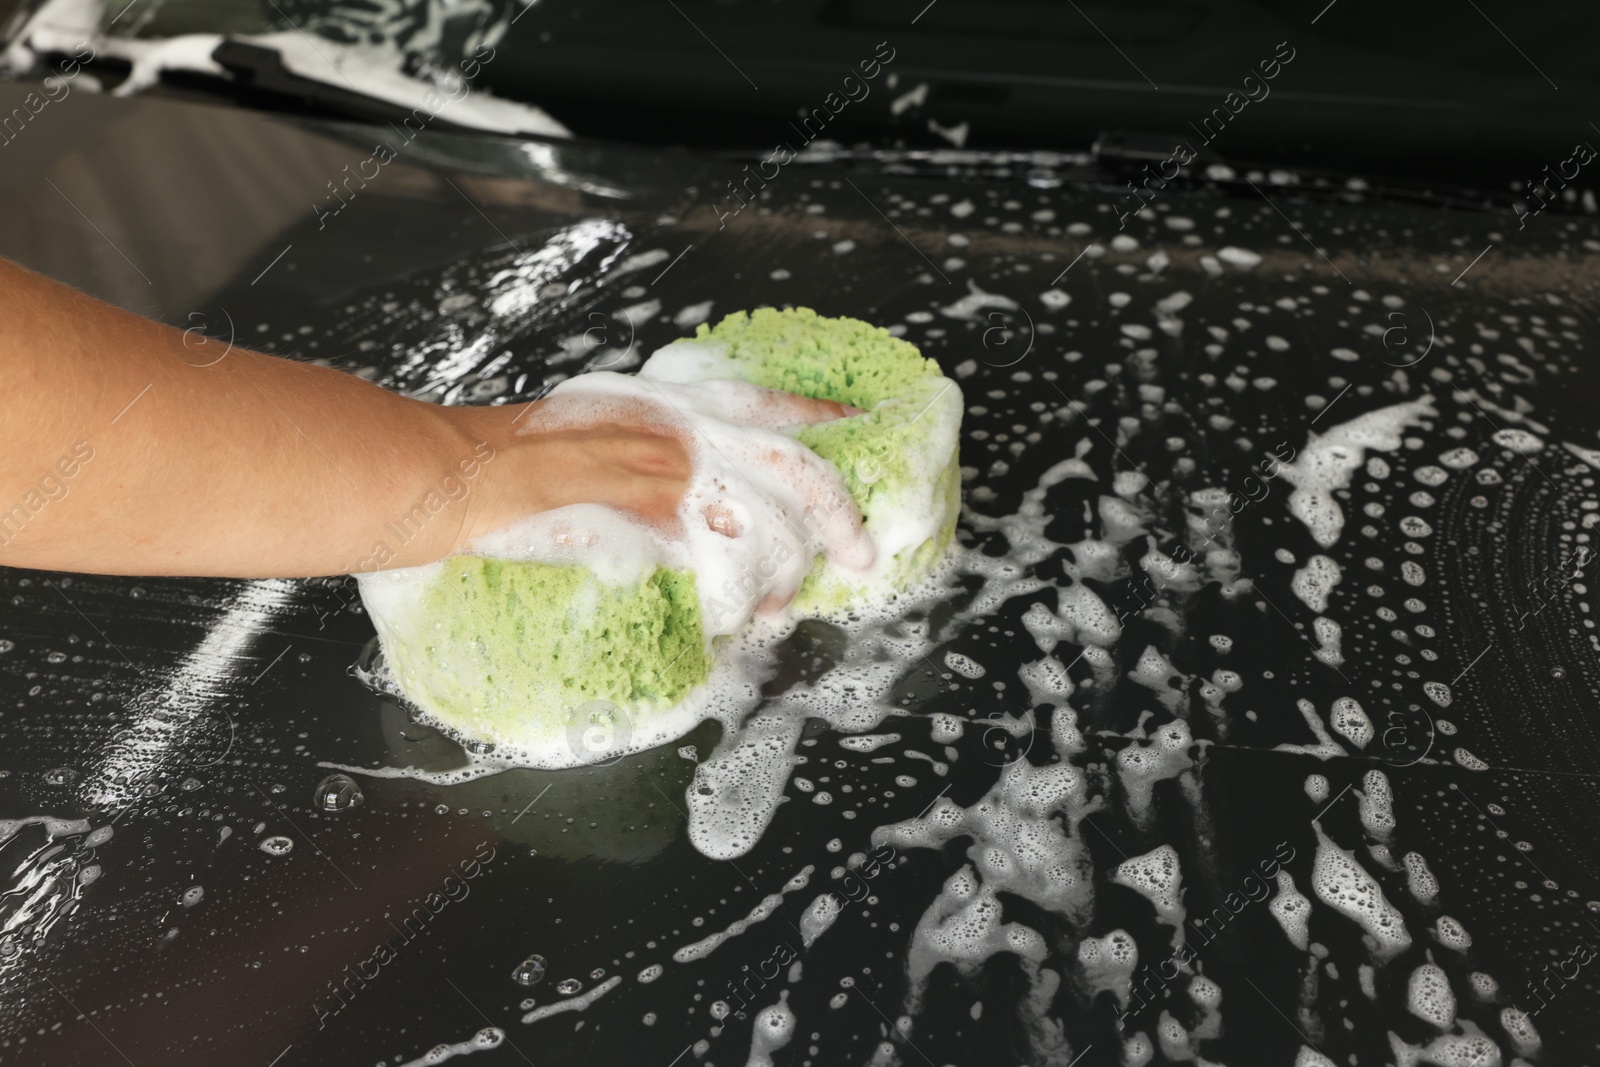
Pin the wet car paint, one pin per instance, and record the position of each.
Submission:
(195, 719)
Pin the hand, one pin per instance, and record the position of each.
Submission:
(704, 466)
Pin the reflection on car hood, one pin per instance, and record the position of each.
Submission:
(423, 62)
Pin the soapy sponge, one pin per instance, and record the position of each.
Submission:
(898, 460)
(487, 636)
(541, 655)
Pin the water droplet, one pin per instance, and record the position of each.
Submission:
(442, 809)
(7, 645)
(304, 657)
(528, 1003)
(568, 986)
(137, 592)
(1558, 673)
(530, 971)
(480, 748)
(193, 895)
(55, 657)
(60, 776)
(277, 846)
(597, 974)
(337, 792)
(189, 785)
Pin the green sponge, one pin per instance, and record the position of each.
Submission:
(571, 669)
(899, 460)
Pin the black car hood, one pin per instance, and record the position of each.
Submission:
(1159, 827)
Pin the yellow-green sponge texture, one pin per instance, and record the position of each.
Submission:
(490, 637)
(510, 650)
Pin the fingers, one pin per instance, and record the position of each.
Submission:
(825, 514)
(766, 501)
(744, 404)
(777, 408)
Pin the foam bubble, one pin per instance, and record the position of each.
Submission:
(1292, 909)
(1109, 962)
(1329, 459)
(1156, 877)
(1428, 996)
(773, 1029)
(1350, 722)
(1451, 934)
(1342, 884)
(1419, 879)
(1376, 801)
(1314, 582)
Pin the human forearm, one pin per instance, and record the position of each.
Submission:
(204, 460)
(128, 447)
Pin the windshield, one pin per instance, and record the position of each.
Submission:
(1416, 93)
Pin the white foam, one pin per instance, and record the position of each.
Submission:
(1342, 884)
(1109, 962)
(962, 927)
(1519, 1028)
(578, 1003)
(1156, 877)
(1292, 909)
(763, 910)
(1419, 879)
(1451, 934)
(490, 1037)
(1376, 801)
(1350, 722)
(1328, 460)
(773, 1029)
(1428, 996)
(1314, 582)
(1148, 761)
(1326, 747)
(868, 742)
(818, 917)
